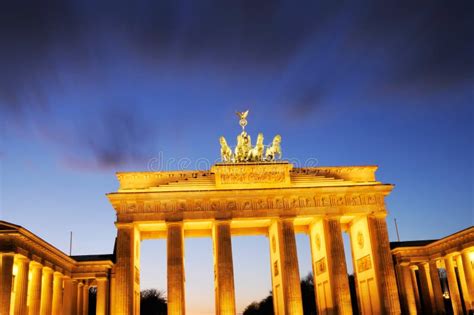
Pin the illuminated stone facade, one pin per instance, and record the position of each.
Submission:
(268, 198)
(38, 279)
(419, 265)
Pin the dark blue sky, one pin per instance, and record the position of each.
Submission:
(87, 89)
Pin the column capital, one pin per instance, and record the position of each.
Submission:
(422, 263)
(332, 217)
(35, 265)
(47, 270)
(221, 221)
(289, 218)
(450, 255)
(378, 215)
(467, 250)
(121, 225)
(174, 223)
(22, 258)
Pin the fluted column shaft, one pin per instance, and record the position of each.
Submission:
(223, 269)
(57, 293)
(384, 265)
(426, 288)
(74, 297)
(463, 283)
(469, 274)
(175, 263)
(337, 267)
(67, 303)
(102, 292)
(453, 285)
(438, 306)
(407, 290)
(47, 291)
(126, 276)
(284, 266)
(80, 297)
(6, 278)
(85, 299)
(21, 292)
(416, 290)
(34, 288)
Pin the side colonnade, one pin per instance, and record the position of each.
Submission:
(38, 279)
(437, 276)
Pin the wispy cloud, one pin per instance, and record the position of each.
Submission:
(312, 52)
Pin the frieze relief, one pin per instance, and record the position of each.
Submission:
(320, 266)
(364, 264)
(269, 203)
(252, 178)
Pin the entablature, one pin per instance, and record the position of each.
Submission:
(451, 244)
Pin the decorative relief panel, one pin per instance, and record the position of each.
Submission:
(137, 275)
(318, 242)
(360, 239)
(321, 266)
(258, 174)
(364, 264)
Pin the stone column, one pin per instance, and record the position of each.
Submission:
(46, 291)
(34, 288)
(175, 251)
(6, 278)
(68, 304)
(329, 261)
(438, 306)
(85, 299)
(80, 298)
(21, 292)
(426, 288)
(463, 283)
(111, 293)
(453, 285)
(102, 292)
(223, 268)
(469, 273)
(74, 296)
(57, 293)
(284, 266)
(384, 265)
(416, 290)
(126, 272)
(406, 290)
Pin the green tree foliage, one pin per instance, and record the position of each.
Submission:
(307, 295)
(153, 302)
(265, 306)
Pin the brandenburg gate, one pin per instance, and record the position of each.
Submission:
(253, 192)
